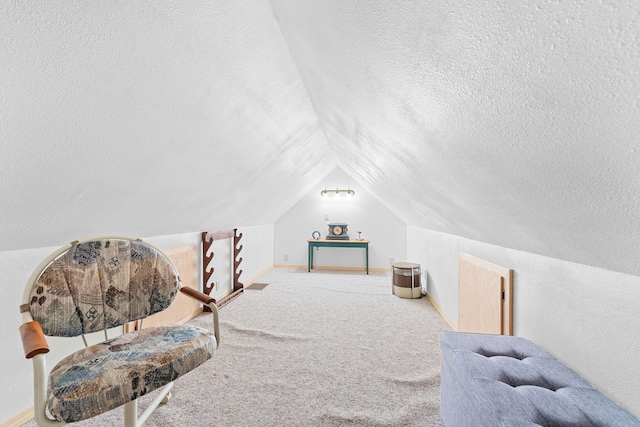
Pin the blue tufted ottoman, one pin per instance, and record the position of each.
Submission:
(497, 380)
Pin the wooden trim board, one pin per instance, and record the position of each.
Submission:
(19, 419)
(257, 276)
(442, 313)
(337, 268)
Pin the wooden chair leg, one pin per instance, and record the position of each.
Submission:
(166, 399)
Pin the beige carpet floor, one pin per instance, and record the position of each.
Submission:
(312, 349)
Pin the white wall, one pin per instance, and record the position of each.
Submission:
(587, 317)
(257, 251)
(15, 268)
(364, 213)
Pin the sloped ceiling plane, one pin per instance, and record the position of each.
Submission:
(511, 123)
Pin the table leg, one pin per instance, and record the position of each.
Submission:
(367, 250)
(309, 257)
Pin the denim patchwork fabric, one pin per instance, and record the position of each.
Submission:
(102, 284)
(112, 373)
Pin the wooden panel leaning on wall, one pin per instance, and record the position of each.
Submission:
(485, 300)
(183, 308)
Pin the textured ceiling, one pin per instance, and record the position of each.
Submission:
(511, 123)
(149, 118)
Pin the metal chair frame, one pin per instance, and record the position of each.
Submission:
(37, 353)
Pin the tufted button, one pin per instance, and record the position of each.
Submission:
(537, 381)
(507, 353)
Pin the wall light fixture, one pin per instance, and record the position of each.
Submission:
(348, 193)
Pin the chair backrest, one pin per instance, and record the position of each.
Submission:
(99, 284)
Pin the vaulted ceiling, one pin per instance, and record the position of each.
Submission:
(511, 123)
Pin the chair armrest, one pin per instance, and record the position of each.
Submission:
(33, 339)
(200, 296)
(209, 302)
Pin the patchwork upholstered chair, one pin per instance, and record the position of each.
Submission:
(96, 285)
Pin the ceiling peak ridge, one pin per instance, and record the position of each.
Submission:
(305, 84)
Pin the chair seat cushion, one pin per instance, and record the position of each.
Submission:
(117, 371)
